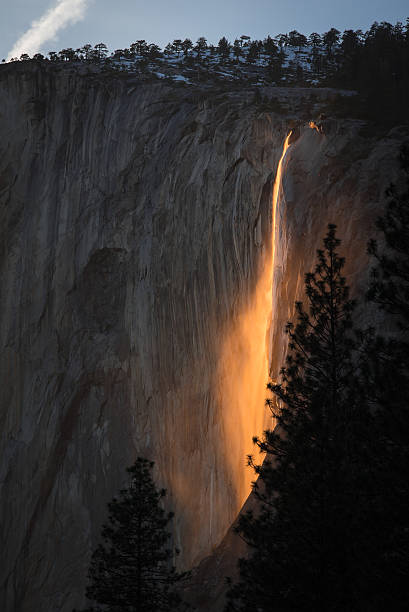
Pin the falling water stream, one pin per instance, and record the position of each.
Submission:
(243, 367)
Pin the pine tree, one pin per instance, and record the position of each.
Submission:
(314, 40)
(177, 46)
(223, 48)
(390, 282)
(270, 48)
(310, 544)
(330, 40)
(132, 569)
(387, 369)
(200, 46)
(253, 52)
(187, 45)
(101, 51)
(237, 49)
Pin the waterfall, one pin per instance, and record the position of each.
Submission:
(243, 367)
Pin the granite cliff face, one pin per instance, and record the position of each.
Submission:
(329, 176)
(135, 228)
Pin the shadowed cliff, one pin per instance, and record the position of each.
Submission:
(134, 223)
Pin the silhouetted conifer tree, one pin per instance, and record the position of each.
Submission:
(387, 369)
(200, 46)
(311, 541)
(187, 45)
(223, 48)
(269, 46)
(237, 49)
(330, 39)
(100, 51)
(390, 278)
(132, 569)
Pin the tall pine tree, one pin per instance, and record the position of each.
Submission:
(310, 543)
(132, 569)
(387, 370)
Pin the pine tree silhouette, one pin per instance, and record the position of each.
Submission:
(387, 370)
(132, 569)
(310, 541)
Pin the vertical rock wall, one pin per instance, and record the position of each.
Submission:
(135, 219)
(334, 176)
(128, 243)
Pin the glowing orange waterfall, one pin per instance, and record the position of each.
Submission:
(276, 196)
(243, 368)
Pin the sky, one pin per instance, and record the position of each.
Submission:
(118, 23)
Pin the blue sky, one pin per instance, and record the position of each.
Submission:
(120, 22)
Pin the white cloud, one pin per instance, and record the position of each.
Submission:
(64, 13)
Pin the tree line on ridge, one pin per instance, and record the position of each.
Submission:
(375, 63)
